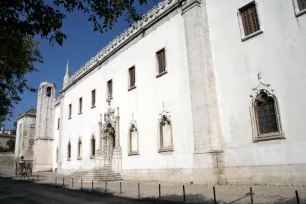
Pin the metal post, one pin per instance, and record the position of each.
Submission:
(63, 181)
(91, 184)
(105, 186)
(215, 200)
(297, 197)
(159, 194)
(138, 190)
(120, 188)
(81, 184)
(72, 182)
(38, 177)
(251, 193)
(184, 197)
(55, 180)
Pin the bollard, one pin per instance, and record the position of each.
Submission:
(138, 190)
(37, 177)
(55, 180)
(120, 188)
(184, 198)
(215, 201)
(105, 186)
(251, 193)
(72, 182)
(159, 192)
(81, 184)
(92, 185)
(63, 181)
(297, 197)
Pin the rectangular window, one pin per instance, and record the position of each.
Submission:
(58, 123)
(249, 18)
(69, 113)
(301, 4)
(80, 104)
(110, 88)
(93, 98)
(132, 78)
(161, 61)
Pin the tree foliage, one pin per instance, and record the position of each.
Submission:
(22, 20)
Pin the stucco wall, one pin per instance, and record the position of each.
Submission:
(279, 54)
(145, 102)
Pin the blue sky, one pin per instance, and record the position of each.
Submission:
(81, 45)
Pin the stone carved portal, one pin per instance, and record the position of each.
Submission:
(109, 152)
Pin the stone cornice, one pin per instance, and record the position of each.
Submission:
(155, 14)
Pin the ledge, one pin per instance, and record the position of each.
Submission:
(300, 13)
(165, 149)
(161, 74)
(92, 107)
(251, 35)
(131, 88)
(133, 153)
(269, 137)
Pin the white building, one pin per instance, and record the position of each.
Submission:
(207, 91)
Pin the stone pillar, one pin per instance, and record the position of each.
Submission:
(204, 103)
(117, 152)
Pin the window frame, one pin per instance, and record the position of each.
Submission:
(93, 98)
(243, 35)
(69, 151)
(92, 148)
(161, 148)
(130, 87)
(133, 127)
(257, 136)
(58, 123)
(165, 71)
(298, 12)
(79, 150)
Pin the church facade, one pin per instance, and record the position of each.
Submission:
(198, 90)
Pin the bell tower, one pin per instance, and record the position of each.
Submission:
(43, 143)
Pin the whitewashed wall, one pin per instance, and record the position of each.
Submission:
(56, 135)
(145, 102)
(279, 54)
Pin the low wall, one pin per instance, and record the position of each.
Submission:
(7, 162)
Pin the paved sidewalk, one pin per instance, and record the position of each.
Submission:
(194, 193)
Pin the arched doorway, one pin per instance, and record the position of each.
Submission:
(109, 143)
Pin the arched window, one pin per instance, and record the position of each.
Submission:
(48, 92)
(69, 151)
(93, 147)
(133, 139)
(79, 149)
(266, 117)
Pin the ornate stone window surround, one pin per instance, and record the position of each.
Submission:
(133, 128)
(298, 11)
(164, 117)
(257, 136)
(157, 65)
(261, 26)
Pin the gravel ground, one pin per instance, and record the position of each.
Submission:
(194, 193)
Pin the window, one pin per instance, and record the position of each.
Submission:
(132, 78)
(58, 123)
(249, 19)
(110, 89)
(69, 151)
(79, 149)
(69, 113)
(300, 7)
(133, 139)
(57, 154)
(267, 120)
(161, 61)
(301, 4)
(80, 105)
(93, 147)
(93, 98)
(48, 92)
